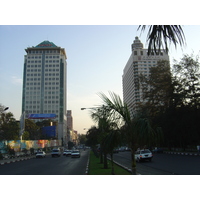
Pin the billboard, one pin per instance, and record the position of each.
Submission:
(49, 131)
(42, 116)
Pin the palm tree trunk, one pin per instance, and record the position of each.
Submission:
(105, 161)
(101, 156)
(112, 164)
(133, 161)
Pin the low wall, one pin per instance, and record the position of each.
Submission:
(17, 145)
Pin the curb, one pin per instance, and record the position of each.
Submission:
(87, 167)
(182, 153)
(12, 161)
(124, 167)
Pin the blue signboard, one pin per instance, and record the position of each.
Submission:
(49, 131)
(42, 116)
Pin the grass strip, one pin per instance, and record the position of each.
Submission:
(96, 168)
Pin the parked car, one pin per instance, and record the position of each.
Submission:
(37, 150)
(55, 153)
(40, 154)
(158, 150)
(116, 150)
(75, 153)
(122, 149)
(128, 149)
(144, 154)
(67, 152)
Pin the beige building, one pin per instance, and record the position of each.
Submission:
(138, 63)
(44, 83)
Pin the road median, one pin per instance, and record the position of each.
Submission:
(97, 168)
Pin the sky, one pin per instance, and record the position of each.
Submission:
(96, 57)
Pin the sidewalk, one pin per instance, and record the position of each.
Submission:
(12, 160)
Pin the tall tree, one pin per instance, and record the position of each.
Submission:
(187, 81)
(186, 103)
(157, 88)
(82, 138)
(92, 136)
(179, 120)
(9, 127)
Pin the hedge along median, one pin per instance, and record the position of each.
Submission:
(96, 168)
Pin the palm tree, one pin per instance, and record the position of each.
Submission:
(106, 126)
(158, 34)
(138, 130)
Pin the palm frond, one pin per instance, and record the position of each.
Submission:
(116, 105)
(160, 36)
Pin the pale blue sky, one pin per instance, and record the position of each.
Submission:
(96, 56)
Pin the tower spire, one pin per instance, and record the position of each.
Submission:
(137, 44)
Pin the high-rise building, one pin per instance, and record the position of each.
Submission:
(44, 84)
(138, 63)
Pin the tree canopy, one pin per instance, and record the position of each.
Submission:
(173, 102)
(9, 127)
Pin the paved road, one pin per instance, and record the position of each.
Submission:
(48, 166)
(163, 164)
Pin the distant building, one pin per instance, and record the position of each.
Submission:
(73, 134)
(138, 63)
(44, 83)
(69, 120)
(75, 137)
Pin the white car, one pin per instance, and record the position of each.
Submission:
(55, 153)
(40, 154)
(67, 152)
(144, 154)
(75, 153)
